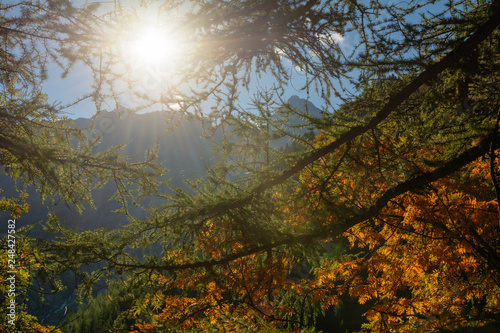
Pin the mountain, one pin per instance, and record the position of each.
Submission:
(295, 124)
(302, 105)
(183, 151)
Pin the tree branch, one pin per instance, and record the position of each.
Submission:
(410, 184)
(493, 173)
(395, 101)
(421, 181)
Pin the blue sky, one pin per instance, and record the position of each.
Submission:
(79, 81)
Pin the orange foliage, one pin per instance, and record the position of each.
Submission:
(429, 260)
(244, 290)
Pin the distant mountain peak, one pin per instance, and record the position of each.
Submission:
(304, 105)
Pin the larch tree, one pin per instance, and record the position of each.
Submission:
(39, 146)
(394, 203)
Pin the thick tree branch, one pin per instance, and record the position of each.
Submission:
(421, 181)
(337, 229)
(493, 173)
(395, 101)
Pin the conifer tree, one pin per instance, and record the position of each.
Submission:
(404, 168)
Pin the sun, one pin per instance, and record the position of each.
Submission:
(153, 45)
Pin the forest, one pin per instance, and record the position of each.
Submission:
(250, 166)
